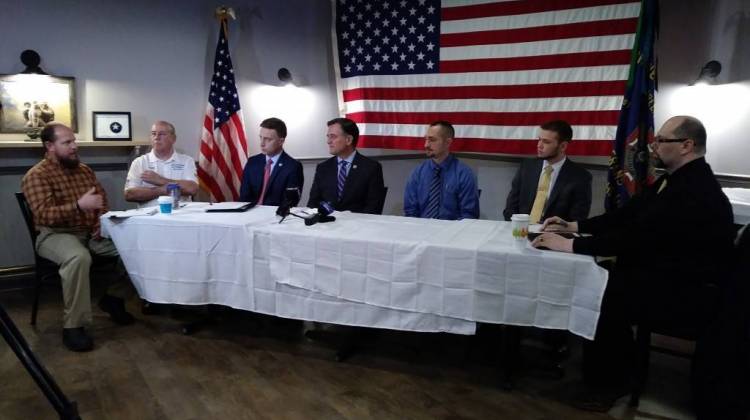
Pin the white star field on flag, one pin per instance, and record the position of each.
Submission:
(388, 37)
(223, 95)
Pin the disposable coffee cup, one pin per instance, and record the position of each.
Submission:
(520, 226)
(165, 204)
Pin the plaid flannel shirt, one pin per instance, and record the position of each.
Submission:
(53, 191)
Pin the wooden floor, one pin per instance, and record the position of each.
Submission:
(247, 368)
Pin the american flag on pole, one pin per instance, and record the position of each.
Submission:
(496, 70)
(223, 150)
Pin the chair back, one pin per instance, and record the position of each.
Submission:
(28, 216)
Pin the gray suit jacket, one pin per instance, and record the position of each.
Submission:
(570, 198)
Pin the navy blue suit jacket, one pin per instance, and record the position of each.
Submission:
(363, 190)
(287, 173)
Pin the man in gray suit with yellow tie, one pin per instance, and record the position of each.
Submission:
(552, 184)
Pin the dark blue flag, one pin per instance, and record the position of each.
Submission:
(629, 167)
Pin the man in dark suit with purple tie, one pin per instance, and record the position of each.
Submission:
(348, 180)
(269, 174)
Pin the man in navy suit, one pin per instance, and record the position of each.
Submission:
(269, 174)
(348, 180)
(567, 190)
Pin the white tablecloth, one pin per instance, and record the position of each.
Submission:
(740, 199)
(191, 257)
(468, 269)
(381, 271)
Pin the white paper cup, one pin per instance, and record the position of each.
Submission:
(520, 226)
(165, 204)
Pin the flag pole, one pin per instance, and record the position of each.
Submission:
(224, 13)
(223, 148)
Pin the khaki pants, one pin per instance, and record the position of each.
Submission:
(72, 250)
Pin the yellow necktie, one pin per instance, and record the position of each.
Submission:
(541, 195)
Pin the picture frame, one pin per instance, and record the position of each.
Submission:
(112, 126)
(29, 101)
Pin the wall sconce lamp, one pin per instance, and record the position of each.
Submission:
(31, 60)
(285, 76)
(708, 73)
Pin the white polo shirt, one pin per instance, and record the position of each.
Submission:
(178, 166)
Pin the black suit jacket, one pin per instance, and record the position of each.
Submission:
(363, 189)
(286, 174)
(570, 197)
(668, 244)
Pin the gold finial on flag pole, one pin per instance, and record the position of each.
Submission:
(224, 13)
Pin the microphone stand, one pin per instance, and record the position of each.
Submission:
(65, 408)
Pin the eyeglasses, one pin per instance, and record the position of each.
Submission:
(660, 139)
(160, 133)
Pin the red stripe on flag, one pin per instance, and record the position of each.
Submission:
(208, 122)
(554, 61)
(223, 167)
(488, 118)
(226, 132)
(237, 121)
(520, 7)
(548, 90)
(211, 184)
(524, 147)
(543, 33)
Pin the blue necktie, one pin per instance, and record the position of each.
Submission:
(341, 178)
(433, 199)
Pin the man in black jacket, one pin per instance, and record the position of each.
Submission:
(348, 180)
(671, 241)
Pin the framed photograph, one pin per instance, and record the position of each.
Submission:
(29, 101)
(112, 126)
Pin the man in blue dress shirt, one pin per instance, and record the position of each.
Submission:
(441, 187)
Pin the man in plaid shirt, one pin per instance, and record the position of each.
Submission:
(67, 200)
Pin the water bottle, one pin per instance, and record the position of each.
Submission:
(173, 190)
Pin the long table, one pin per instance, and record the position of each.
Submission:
(363, 270)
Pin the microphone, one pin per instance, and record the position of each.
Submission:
(323, 216)
(291, 197)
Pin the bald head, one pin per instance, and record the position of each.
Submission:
(49, 132)
(687, 127)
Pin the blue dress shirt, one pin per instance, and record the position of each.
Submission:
(459, 199)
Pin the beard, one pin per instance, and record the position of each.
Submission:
(71, 162)
(549, 155)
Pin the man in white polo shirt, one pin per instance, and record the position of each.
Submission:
(150, 174)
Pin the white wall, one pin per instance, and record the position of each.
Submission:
(694, 32)
(154, 59)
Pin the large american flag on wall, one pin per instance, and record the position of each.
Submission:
(223, 150)
(495, 69)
